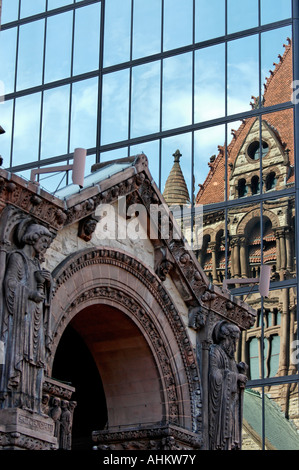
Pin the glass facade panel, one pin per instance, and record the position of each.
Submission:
(26, 129)
(8, 42)
(84, 114)
(209, 19)
(58, 3)
(209, 94)
(10, 11)
(28, 7)
(117, 42)
(243, 73)
(177, 15)
(55, 118)
(177, 91)
(276, 66)
(145, 114)
(248, 19)
(58, 46)
(6, 112)
(146, 28)
(275, 10)
(170, 145)
(281, 417)
(115, 107)
(87, 39)
(30, 66)
(209, 164)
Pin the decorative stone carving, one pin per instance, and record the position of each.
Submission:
(86, 228)
(25, 322)
(165, 437)
(227, 381)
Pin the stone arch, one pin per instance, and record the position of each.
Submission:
(256, 215)
(114, 278)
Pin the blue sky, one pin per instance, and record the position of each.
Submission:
(209, 99)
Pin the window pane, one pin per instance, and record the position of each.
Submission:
(87, 39)
(117, 32)
(30, 65)
(10, 11)
(252, 438)
(26, 129)
(152, 151)
(177, 91)
(146, 28)
(209, 165)
(242, 15)
(84, 114)
(276, 64)
(58, 46)
(281, 417)
(209, 83)
(58, 3)
(55, 122)
(275, 10)
(209, 19)
(278, 156)
(28, 7)
(6, 123)
(177, 14)
(145, 99)
(169, 147)
(8, 40)
(243, 76)
(115, 107)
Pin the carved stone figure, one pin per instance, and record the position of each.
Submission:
(227, 381)
(55, 413)
(65, 426)
(25, 322)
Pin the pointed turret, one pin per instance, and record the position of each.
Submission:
(176, 191)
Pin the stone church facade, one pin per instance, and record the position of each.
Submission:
(157, 331)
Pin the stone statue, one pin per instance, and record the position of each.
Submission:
(25, 319)
(55, 413)
(227, 381)
(65, 426)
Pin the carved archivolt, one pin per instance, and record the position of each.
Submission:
(104, 291)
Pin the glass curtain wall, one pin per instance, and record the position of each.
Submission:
(215, 79)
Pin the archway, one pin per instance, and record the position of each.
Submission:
(103, 354)
(135, 335)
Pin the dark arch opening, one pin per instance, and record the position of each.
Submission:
(74, 364)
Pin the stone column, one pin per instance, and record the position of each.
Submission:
(243, 258)
(277, 251)
(212, 246)
(235, 257)
(289, 251)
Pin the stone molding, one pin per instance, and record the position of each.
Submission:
(156, 437)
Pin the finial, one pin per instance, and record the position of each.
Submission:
(177, 155)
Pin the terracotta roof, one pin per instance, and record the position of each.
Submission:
(176, 191)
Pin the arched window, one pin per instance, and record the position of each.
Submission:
(242, 188)
(255, 185)
(271, 181)
(253, 150)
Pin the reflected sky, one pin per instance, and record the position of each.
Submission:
(152, 97)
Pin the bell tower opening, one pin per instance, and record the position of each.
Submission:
(75, 365)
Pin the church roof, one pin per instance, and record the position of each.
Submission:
(176, 191)
(281, 434)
